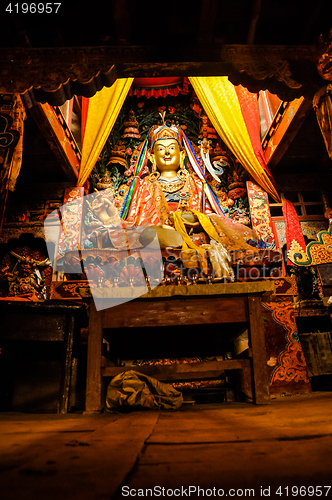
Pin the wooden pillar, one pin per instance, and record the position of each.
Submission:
(93, 403)
(67, 361)
(260, 380)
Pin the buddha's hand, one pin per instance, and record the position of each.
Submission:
(188, 217)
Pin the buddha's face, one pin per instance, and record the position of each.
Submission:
(167, 154)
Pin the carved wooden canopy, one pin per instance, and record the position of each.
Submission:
(262, 45)
(55, 74)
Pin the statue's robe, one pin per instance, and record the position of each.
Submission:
(149, 208)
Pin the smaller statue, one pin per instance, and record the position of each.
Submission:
(118, 155)
(240, 214)
(105, 181)
(236, 186)
(131, 127)
(206, 129)
(26, 280)
(220, 156)
(235, 181)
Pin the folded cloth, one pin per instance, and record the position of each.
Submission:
(139, 391)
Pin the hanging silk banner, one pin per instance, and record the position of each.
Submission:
(220, 102)
(260, 214)
(293, 227)
(250, 111)
(102, 113)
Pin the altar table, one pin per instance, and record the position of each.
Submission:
(188, 305)
(48, 321)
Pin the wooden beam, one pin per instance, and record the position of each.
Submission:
(93, 403)
(178, 312)
(253, 21)
(66, 158)
(259, 371)
(157, 69)
(50, 68)
(286, 130)
(192, 371)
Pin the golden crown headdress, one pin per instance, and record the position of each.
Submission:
(160, 132)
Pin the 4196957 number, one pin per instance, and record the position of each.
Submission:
(303, 491)
(33, 8)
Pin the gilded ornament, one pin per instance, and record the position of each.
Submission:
(154, 176)
(324, 62)
(172, 187)
(317, 252)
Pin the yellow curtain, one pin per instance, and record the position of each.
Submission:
(103, 110)
(220, 102)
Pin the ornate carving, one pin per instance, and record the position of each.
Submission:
(25, 272)
(291, 363)
(324, 62)
(10, 233)
(86, 70)
(49, 69)
(317, 252)
(61, 290)
(8, 138)
(263, 62)
(286, 286)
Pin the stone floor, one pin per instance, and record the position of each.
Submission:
(232, 449)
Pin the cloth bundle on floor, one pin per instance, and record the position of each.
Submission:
(139, 391)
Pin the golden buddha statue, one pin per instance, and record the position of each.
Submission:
(172, 198)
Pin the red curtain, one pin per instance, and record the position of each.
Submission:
(159, 87)
(250, 111)
(293, 228)
(85, 106)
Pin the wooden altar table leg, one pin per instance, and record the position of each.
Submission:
(67, 362)
(260, 380)
(93, 403)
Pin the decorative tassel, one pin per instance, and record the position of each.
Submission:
(140, 162)
(199, 171)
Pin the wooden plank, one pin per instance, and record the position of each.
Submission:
(286, 130)
(56, 139)
(36, 326)
(184, 371)
(105, 362)
(257, 343)
(51, 306)
(67, 363)
(177, 312)
(200, 290)
(317, 349)
(93, 378)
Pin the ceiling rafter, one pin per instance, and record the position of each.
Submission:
(256, 8)
(207, 22)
